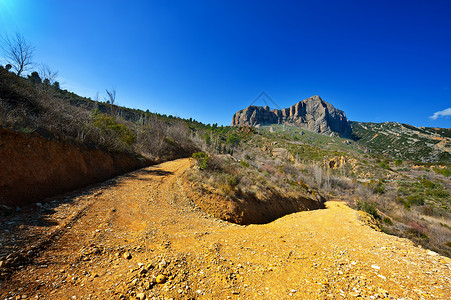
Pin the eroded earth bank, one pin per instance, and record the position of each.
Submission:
(34, 167)
(140, 235)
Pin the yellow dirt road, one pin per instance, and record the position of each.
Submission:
(112, 242)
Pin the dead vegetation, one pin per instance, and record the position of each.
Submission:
(28, 106)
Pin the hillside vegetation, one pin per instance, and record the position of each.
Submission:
(402, 141)
(29, 105)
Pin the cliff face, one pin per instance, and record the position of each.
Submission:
(313, 114)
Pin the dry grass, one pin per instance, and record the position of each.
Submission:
(32, 108)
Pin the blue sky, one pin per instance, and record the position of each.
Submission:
(376, 60)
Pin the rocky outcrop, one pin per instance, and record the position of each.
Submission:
(313, 114)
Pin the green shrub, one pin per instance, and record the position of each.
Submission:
(232, 181)
(207, 140)
(202, 160)
(388, 221)
(437, 193)
(233, 140)
(445, 172)
(244, 163)
(109, 125)
(398, 162)
(403, 190)
(414, 199)
(385, 165)
(428, 184)
(378, 187)
(369, 208)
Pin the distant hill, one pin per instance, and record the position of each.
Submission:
(313, 114)
(395, 140)
(403, 141)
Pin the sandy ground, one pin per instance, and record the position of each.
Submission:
(140, 236)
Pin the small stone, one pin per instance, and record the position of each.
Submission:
(375, 267)
(147, 285)
(127, 255)
(161, 278)
(2, 263)
(141, 296)
(162, 264)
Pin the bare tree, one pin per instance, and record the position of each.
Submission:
(45, 72)
(318, 174)
(111, 95)
(96, 97)
(18, 52)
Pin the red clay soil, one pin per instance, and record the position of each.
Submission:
(33, 168)
(247, 208)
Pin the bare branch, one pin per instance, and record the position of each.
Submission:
(45, 72)
(17, 52)
(111, 95)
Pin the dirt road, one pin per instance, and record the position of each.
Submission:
(116, 240)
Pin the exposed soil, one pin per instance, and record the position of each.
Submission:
(114, 241)
(33, 167)
(244, 208)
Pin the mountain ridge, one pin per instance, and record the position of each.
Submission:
(312, 113)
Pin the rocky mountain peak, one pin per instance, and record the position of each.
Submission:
(313, 114)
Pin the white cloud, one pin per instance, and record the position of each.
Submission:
(442, 113)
